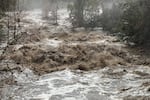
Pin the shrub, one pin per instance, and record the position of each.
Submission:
(85, 13)
(136, 22)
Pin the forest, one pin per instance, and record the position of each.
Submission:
(128, 17)
(74, 49)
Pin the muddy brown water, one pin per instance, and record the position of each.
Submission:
(109, 83)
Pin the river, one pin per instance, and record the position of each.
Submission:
(114, 83)
(109, 83)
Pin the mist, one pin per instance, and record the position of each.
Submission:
(39, 4)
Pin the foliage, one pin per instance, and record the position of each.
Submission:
(136, 24)
(131, 18)
(6, 5)
(1, 33)
(85, 13)
(111, 17)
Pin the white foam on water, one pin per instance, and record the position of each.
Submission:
(35, 16)
(76, 86)
(69, 98)
(51, 42)
(63, 15)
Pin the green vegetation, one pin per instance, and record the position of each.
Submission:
(85, 13)
(128, 17)
(6, 5)
(136, 24)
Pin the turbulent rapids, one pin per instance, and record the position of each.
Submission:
(84, 65)
(114, 83)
